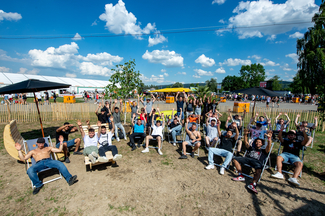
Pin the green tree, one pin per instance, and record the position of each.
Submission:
(311, 52)
(230, 83)
(177, 85)
(296, 85)
(252, 75)
(202, 90)
(276, 86)
(124, 80)
(212, 84)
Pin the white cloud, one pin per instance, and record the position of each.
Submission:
(266, 13)
(220, 70)
(256, 57)
(294, 57)
(77, 37)
(235, 62)
(201, 72)
(153, 79)
(164, 57)
(231, 69)
(9, 16)
(156, 40)
(166, 74)
(269, 63)
(286, 67)
(92, 69)
(219, 2)
(5, 57)
(271, 38)
(102, 58)
(4, 69)
(163, 70)
(205, 61)
(26, 71)
(222, 21)
(182, 73)
(279, 42)
(296, 35)
(71, 75)
(94, 23)
(271, 70)
(196, 76)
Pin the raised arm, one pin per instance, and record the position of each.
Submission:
(240, 121)
(267, 118)
(173, 113)
(280, 134)
(176, 96)
(113, 125)
(153, 98)
(114, 105)
(304, 142)
(141, 99)
(133, 119)
(316, 123)
(185, 96)
(269, 141)
(237, 132)
(81, 130)
(99, 124)
(186, 125)
(20, 154)
(163, 120)
(99, 105)
(88, 124)
(58, 150)
(158, 111)
(228, 119)
(121, 101)
(288, 119)
(276, 118)
(296, 120)
(250, 123)
(138, 100)
(218, 127)
(246, 131)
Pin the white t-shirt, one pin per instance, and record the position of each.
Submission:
(9, 96)
(38, 95)
(90, 141)
(157, 130)
(106, 138)
(268, 99)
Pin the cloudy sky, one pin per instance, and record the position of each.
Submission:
(171, 41)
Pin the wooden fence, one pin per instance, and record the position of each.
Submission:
(85, 111)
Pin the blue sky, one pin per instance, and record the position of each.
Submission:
(235, 37)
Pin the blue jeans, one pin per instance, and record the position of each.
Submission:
(290, 158)
(176, 131)
(69, 143)
(180, 113)
(43, 164)
(117, 126)
(222, 153)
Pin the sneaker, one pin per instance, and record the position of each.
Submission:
(169, 131)
(210, 166)
(125, 138)
(72, 180)
(294, 181)
(77, 153)
(94, 154)
(67, 160)
(92, 158)
(118, 139)
(277, 175)
(139, 145)
(174, 144)
(192, 154)
(102, 159)
(133, 148)
(159, 152)
(239, 178)
(252, 188)
(146, 150)
(183, 157)
(36, 190)
(222, 171)
(117, 157)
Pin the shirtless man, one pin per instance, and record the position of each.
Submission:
(42, 156)
(194, 139)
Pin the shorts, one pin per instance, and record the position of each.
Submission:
(197, 111)
(155, 136)
(267, 103)
(249, 161)
(211, 138)
(70, 143)
(39, 99)
(6, 97)
(191, 143)
(290, 158)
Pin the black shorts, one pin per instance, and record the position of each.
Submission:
(39, 99)
(249, 161)
(155, 136)
(267, 103)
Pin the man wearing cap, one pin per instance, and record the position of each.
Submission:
(138, 131)
(117, 120)
(227, 142)
(64, 131)
(212, 132)
(290, 153)
(42, 156)
(257, 132)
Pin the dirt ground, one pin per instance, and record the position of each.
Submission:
(150, 184)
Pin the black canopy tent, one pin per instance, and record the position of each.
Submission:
(32, 85)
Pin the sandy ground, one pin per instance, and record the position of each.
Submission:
(150, 184)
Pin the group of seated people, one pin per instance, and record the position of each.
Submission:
(228, 144)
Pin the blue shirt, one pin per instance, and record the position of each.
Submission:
(138, 128)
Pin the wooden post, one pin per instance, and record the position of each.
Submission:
(40, 120)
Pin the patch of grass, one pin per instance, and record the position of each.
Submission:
(9, 197)
(20, 199)
(125, 208)
(110, 206)
(167, 162)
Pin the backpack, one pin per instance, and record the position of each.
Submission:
(120, 134)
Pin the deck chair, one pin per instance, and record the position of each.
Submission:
(275, 132)
(31, 145)
(265, 166)
(310, 125)
(205, 131)
(169, 135)
(302, 159)
(187, 138)
(138, 137)
(109, 154)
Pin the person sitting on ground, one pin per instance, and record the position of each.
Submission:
(194, 139)
(227, 142)
(257, 132)
(42, 156)
(306, 128)
(255, 157)
(233, 127)
(157, 133)
(105, 144)
(290, 153)
(138, 131)
(180, 104)
(65, 130)
(281, 122)
(212, 132)
(117, 120)
(263, 121)
(175, 127)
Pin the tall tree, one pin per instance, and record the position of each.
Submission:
(252, 75)
(230, 83)
(276, 86)
(177, 85)
(311, 52)
(212, 84)
(124, 80)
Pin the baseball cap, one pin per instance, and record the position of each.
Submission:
(213, 119)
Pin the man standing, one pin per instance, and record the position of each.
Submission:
(117, 120)
(180, 104)
(64, 131)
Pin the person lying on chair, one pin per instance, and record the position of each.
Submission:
(290, 153)
(255, 157)
(194, 139)
(42, 156)
(212, 132)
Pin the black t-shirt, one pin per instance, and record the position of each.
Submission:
(213, 107)
(180, 104)
(206, 107)
(106, 111)
(227, 143)
(46, 95)
(292, 147)
(258, 154)
(102, 118)
(172, 125)
(65, 135)
(189, 107)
